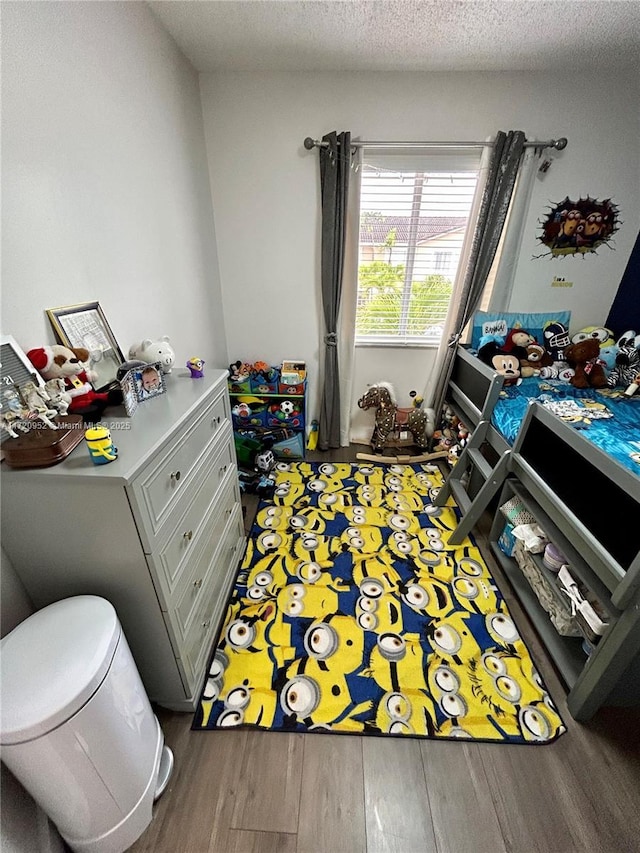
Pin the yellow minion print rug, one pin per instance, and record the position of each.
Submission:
(352, 614)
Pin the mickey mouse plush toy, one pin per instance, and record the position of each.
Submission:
(491, 352)
(60, 362)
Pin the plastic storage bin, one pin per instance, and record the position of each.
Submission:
(76, 726)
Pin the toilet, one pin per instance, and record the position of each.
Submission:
(76, 726)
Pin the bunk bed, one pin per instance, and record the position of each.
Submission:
(586, 499)
(494, 413)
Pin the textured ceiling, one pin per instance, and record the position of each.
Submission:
(405, 35)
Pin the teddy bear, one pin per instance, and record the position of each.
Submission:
(583, 357)
(155, 351)
(60, 362)
(536, 358)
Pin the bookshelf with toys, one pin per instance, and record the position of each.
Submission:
(268, 409)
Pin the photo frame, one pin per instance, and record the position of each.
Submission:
(85, 325)
(129, 393)
(148, 380)
(15, 367)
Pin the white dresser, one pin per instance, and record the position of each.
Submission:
(158, 532)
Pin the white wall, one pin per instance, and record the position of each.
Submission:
(15, 604)
(104, 178)
(265, 188)
(105, 196)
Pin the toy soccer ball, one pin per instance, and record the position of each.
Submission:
(287, 407)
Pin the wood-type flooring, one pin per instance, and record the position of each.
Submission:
(272, 792)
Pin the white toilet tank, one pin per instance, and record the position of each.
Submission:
(77, 728)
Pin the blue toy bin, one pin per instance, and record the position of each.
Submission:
(275, 417)
(290, 448)
(261, 387)
(258, 417)
(297, 390)
(240, 387)
(261, 384)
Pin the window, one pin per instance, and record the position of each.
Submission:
(414, 213)
(443, 261)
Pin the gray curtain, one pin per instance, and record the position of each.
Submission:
(502, 172)
(334, 187)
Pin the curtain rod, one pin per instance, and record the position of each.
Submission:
(558, 144)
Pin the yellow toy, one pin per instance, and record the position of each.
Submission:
(100, 445)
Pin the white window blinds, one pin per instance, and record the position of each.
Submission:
(414, 212)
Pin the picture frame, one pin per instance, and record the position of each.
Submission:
(129, 393)
(85, 325)
(15, 367)
(149, 381)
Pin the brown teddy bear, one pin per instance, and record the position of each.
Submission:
(583, 357)
(537, 358)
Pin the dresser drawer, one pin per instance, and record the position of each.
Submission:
(159, 487)
(198, 568)
(215, 493)
(209, 608)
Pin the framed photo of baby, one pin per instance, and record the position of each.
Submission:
(149, 381)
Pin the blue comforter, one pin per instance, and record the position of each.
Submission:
(618, 435)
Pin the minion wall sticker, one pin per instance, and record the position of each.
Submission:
(578, 227)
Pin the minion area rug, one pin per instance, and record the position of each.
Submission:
(351, 614)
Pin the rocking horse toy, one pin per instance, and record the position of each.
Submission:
(391, 422)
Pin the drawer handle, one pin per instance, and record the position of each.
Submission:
(188, 535)
(206, 624)
(216, 422)
(223, 470)
(175, 476)
(198, 583)
(229, 510)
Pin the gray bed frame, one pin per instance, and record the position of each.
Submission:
(473, 391)
(589, 506)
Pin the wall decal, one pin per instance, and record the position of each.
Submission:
(578, 227)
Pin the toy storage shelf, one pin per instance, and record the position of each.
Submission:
(272, 417)
(606, 564)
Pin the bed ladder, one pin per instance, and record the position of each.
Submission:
(456, 484)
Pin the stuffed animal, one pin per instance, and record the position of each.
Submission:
(627, 367)
(59, 398)
(559, 370)
(607, 357)
(505, 363)
(240, 371)
(155, 351)
(629, 339)
(599, 333)
(60, 362)
(517, 341)
(583, 357)
(263, 372)
(556, 339)
(537, 358)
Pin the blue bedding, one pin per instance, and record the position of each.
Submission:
(618, 434)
